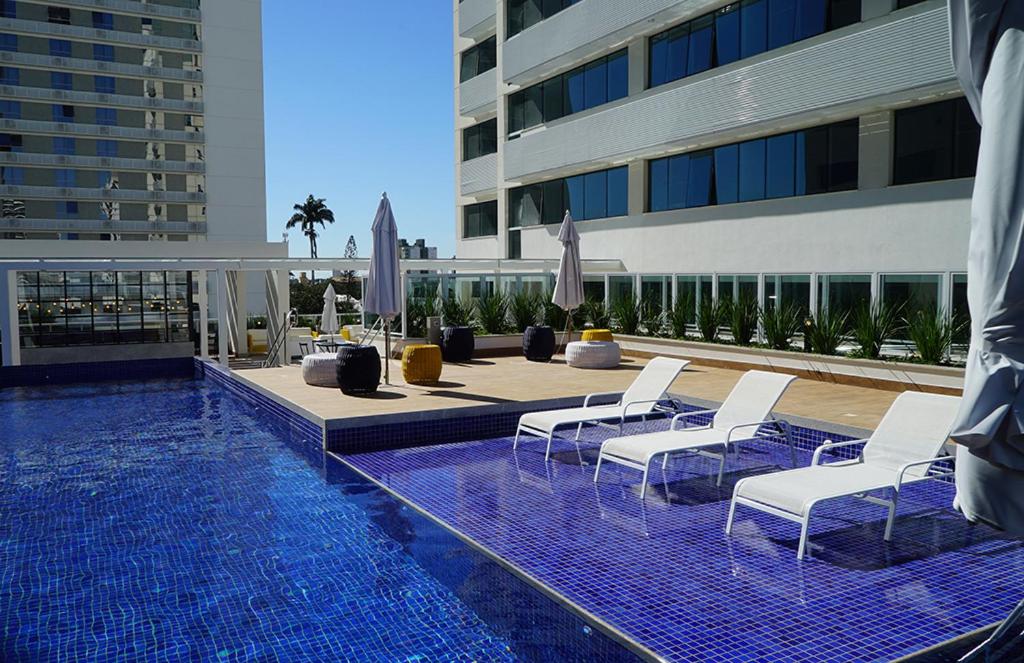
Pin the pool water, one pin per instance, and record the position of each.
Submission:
(169, 520)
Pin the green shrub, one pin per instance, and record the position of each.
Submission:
(627, 314)
(828, 331)
(743, 317)
(932, 334)
(456, 313)
(596, 313)
(873, 325)
(418, 311)
(710, 314)
(556, 317)
(781, 324)
(492, 313)
(523, 310)
(681, 315)
(652, 318)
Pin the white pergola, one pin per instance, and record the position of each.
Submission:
(229, 276)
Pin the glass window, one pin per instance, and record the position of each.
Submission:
(65, 177)
(60, 80)
(554, 202)
(478, 59)
(785, 289)
(591, 196)
(960, 310)
(102, 21)
(843, 293)
(902, 4)
(812, 161)
(8, 9)
(686, 290)
(103, 52)
(657, 185)
(914, 292)
(8, 42)
(105, 84)
(479, 140)
(523, 14)
(106, 116)
(9, 76)
(480, 220)
(10, 109)
(618, 76)
(575, 100)
(596, 195)
(63, 145)
(62, 113)
(620, 287)
(106, 148)
(61, 15)
(698, 188)
(13, 175)
(727, 169)
(752, 172)
(515, 244)
(810, 18)
(781, 160)
(618, 191)
(753, 27)
(574, 191)
(935, 142)
(678, 177)
(593, 288)
(60, 48)
(655, 290)
(552, 98)
(781, 22)
(727, 34)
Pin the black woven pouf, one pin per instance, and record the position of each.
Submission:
(457, 344)
(539, 343)
(358, 369)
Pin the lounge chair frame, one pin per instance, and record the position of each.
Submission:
(804, 519)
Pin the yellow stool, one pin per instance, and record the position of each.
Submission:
(421, 364)
(597, 335)
(345, 334)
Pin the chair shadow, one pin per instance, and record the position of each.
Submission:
(444, 384)
(379, 396)
(700, 489)
(477, 398)
(472, 362)
(916, 536)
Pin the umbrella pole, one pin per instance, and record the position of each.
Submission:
(387, 352)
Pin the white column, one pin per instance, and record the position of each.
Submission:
(203, 301)
(9, 332)
(222, 316)
(284, 301)
(240, 312)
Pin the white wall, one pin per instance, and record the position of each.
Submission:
(233, 94)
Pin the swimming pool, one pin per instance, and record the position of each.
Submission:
(170, 520)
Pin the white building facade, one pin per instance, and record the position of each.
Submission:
(816, 150)
(133, 130)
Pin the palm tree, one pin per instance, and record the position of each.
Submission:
(307, 215)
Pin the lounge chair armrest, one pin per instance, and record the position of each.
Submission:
(906, 466)
(682, 416)
(650, 401)
(833, 445)
(586, 401)
(728, 435)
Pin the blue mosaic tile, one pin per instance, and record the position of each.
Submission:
(139, 369)
(664, 573)
(172, 520)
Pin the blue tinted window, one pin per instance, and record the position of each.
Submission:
(65, 178)
(8, 9)
(727, 36)
(657, 185)
(800, 164)
(618, 191)
(103, 52)
(8, 42)
(63, 113)
(781, 166)
(678, 49)
(727, 165)
(10, 110)
(577, 206)
(698, 188)
(9, 76)
(12, 175)
(63, 145)
(596, 192)
(658, 66)
(60, 48)
(102, 21)
(810, 18)
(67, 209)
(106, 148)
(60, 80)
(596, 84)
(105, 84)
(753, 27)
(678, 176)
(618, 77)
(106, 116)
(781, 22)
(701, 39)
(752, 170)
(576, 101)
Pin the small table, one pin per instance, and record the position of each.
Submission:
(328, 345)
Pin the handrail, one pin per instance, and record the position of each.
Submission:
(370, 334)
(281, 337)
(997, 643)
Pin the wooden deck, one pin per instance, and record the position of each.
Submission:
(504, 379)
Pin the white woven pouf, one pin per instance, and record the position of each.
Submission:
(320, 369)
(592, 354)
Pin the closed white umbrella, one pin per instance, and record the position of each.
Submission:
(329, 318)
(568, 293)
(383, 285)
(988, 52)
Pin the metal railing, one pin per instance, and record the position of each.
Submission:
(273, 357)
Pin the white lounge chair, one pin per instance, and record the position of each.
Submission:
(641, 399)
(900, 451)
(748, 407)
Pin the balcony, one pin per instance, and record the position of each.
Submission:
(9, 224)
(82, 98)
(830, 77)
(101, 194)
(36, 61)
(129, 7)
(477, 18)
(101, 131)
(479, 175)
(81, 33)
(582, 30)
(478, 96)
(101, 163)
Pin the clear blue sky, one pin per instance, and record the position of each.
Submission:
(359, 100)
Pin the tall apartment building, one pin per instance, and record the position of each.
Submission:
(812, 150)
(131, 121)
